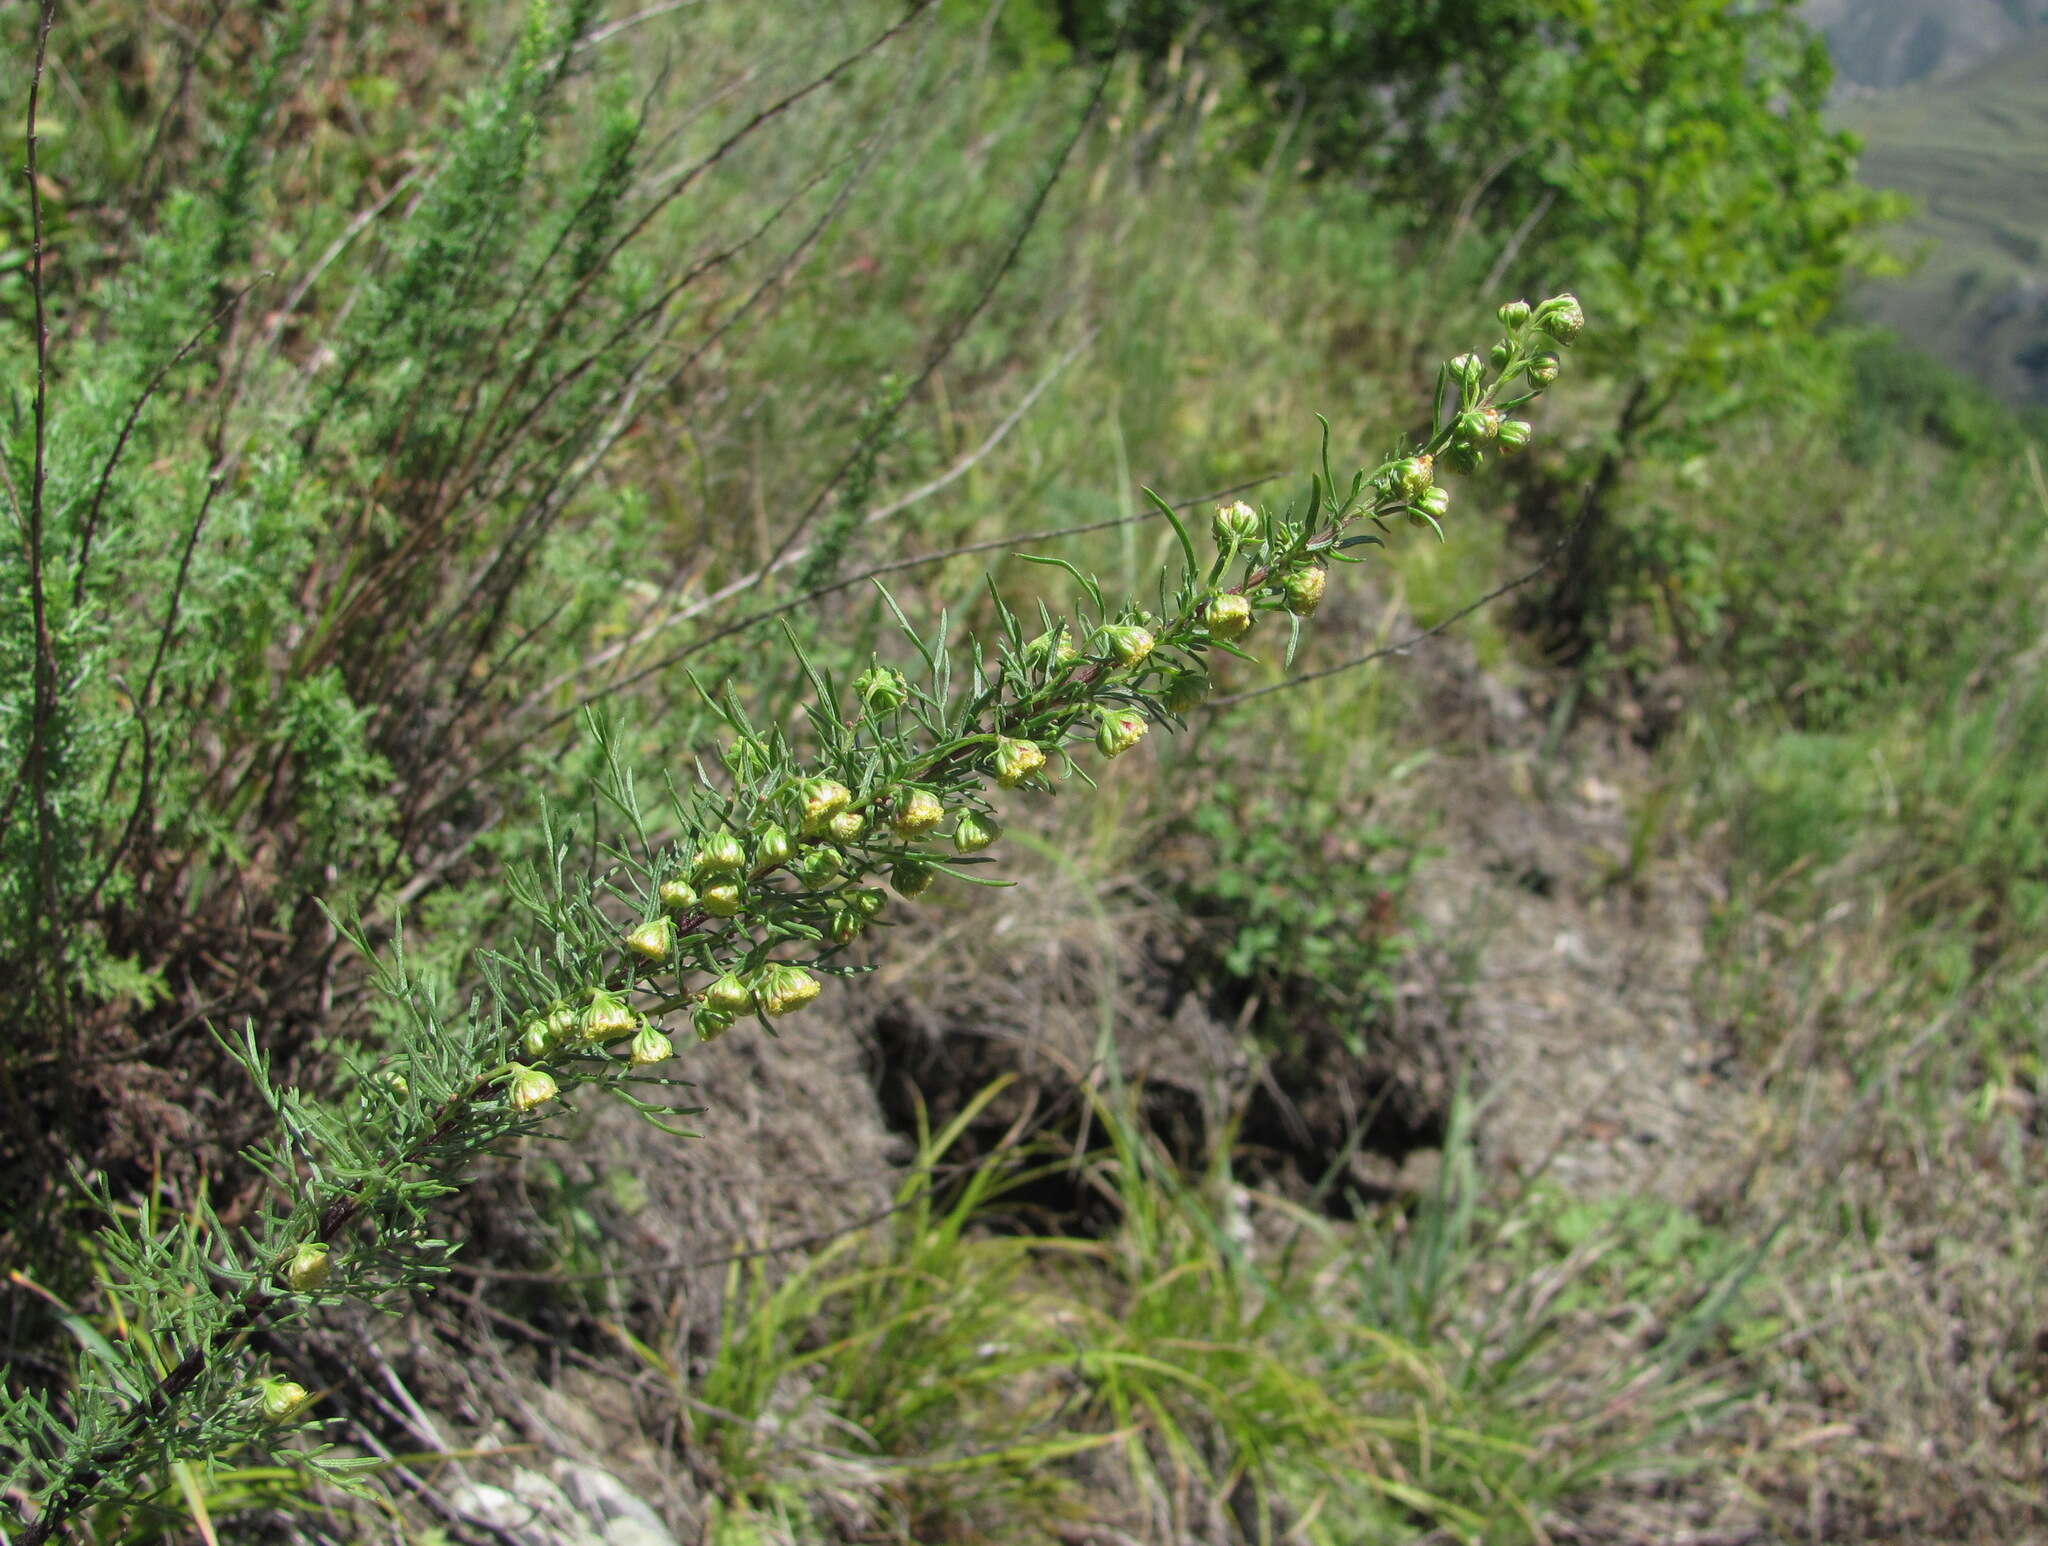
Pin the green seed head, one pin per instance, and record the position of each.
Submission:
(911, 877)
(650, 1046)
(823, 798)
(848, 825)
(1235, 523)
(1016, 761)
(709, 1023)
(654, 940)
(1414, 474)
(1185, 691)
(917, 812)
(310, 1266)
(564, 1021)
(726, 901)
(817, 866)
(608, 1018)
(728, 995)
(1464, 456)
(1561, 317)
(1304, 588)
(1118, 730)
(1128, 643)
(1434, 502)
(1053, 649)
(866, 901)
(772, 849)
(536, 1040)
(721, 855)
(843, 924)
(1543, 369)
(782, 989)
(531, 1088)
(975, 831)
(279, 1400)
(881, 689)
(677, 895)
(1228, 615)
(1514, 434)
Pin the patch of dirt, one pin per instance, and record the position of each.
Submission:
(1568, 926)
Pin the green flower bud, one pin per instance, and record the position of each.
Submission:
(311, 1265)
(608, 1018)
(649, 1046)
(531, 1087)
(1228, 615)
(916, 814)
(1467, 370)
(537, 1041)
(1129, 643)
(881, 689)
(1118, 731)
(1543, 369)
(1561, 317)
(564, 1021)
(1435, 502)
(1304, 588)
(975, 831)
(843, 924)
(709, 1023)
(1464, 456)
(911, 877)
(723, 901)
(866, 901)
(848, 825)
(1499, 355)
(817, 866)
(1514, 314)
(823, 798)
(1472, 425)
(1016, 761)
(1186, 690)
(1235, 523)
(782, 989)
(721, 855)
(654, 940)
(677, 895)
(1053, 649)
(1514, 434)
(728, 995)
(394, 1081)
(772, 849)
(279, 1400)
(1414, 474)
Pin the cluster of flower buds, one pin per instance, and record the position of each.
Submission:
(803, 866)
(1481, 425)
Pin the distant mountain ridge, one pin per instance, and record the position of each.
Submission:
(1950, 98)
(1886, 43)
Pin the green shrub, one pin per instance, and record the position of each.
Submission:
(293, 609)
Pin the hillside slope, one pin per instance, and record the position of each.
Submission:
(1970, 152)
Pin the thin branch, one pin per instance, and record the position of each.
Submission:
(36, 763)
(149, 390)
